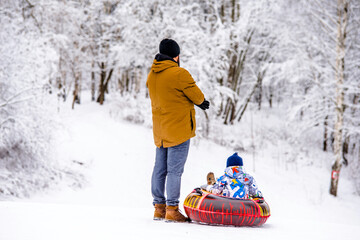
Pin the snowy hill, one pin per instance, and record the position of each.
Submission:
(116, 202)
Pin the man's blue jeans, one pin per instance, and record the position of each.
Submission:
(169, 166)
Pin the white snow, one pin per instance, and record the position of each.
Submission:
(116, 202)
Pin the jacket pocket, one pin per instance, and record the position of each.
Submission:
(192, 120)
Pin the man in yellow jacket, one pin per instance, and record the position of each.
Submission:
(173, 93)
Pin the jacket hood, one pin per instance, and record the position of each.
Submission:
(162, 62)
(234, 171)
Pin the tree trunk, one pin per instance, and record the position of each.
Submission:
(244, 106)
(104, 82)
(108, 80)
(227, 110)
(340, 62)
(92, 81)
(345, 150)
(270, 96)
(234, 82)
(76, 96)
(259, 95)
(235, 10)
(138, 77)
(101, 96)
(232, 112)
(325, 133)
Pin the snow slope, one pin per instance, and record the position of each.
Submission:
(117, 204)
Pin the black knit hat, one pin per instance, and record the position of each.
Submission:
(169, 47)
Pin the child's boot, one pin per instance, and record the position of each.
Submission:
(210, 178)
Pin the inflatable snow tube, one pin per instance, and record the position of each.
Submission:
(204, 207)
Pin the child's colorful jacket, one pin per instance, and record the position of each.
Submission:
(236, 183)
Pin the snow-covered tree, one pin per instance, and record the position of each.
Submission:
(24, 118)
(28, 122)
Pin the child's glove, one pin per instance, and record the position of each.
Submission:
(215, 191)
(209, 188)
(226, 193)
(257, 195)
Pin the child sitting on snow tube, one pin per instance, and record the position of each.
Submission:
(235, 182)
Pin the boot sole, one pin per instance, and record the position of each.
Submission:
(158, 219)
(174, 221)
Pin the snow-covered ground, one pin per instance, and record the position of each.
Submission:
(116, 202)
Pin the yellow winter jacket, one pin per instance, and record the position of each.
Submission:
(173, 93)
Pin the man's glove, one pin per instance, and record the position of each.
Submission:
(204, 105)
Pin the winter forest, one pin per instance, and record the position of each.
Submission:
(282, 78)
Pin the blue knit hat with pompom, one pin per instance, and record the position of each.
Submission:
(234, 160)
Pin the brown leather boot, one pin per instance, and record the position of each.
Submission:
(173, 214)
(210, 178)
(160, 210)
